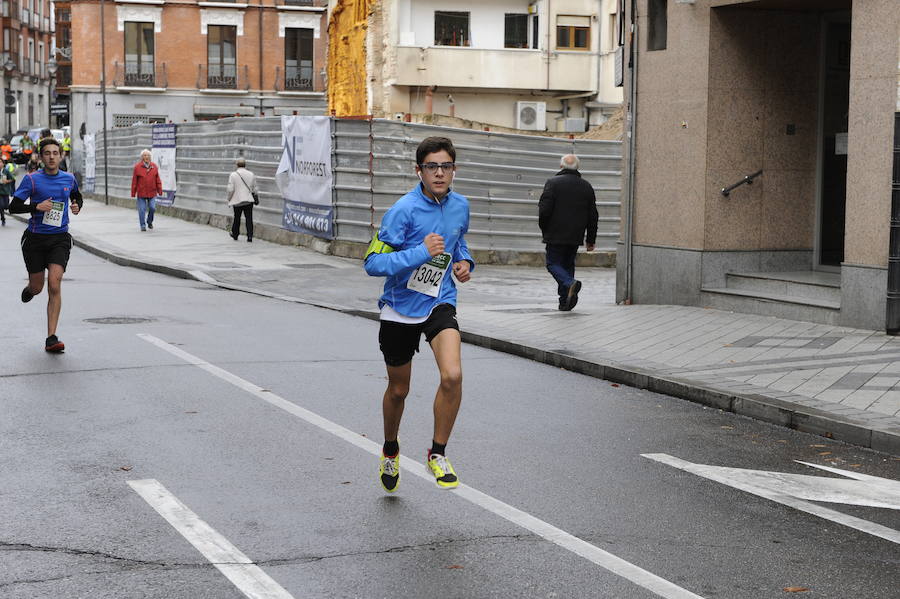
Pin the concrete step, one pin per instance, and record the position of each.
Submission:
(805, 284)
(771, 304)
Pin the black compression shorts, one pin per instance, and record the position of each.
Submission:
(42, 249)
(400, 341)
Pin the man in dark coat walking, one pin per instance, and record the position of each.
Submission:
(567, 215)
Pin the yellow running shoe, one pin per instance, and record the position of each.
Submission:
(390, 472)
(444, 475)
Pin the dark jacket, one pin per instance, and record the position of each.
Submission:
(7, 189)
(567, 209)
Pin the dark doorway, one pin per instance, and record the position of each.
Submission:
(835, 106)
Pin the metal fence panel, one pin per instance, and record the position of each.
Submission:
(502, 174)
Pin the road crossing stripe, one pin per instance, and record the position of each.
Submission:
(230, 561)
(714, 474)
(592, 553)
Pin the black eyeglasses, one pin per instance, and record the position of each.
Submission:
(432, 167)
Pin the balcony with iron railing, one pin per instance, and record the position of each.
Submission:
(293, 78)
(223, 77)
(140, 74)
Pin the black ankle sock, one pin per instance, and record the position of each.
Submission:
(391, 448)
(437, 448)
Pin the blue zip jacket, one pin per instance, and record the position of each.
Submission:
(399, 248)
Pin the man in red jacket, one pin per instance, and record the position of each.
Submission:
(145, 186)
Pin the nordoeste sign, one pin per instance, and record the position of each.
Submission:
(304, 175)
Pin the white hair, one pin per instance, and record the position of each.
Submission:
(146, 151)
(569, 161)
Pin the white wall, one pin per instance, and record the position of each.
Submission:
(486, 22)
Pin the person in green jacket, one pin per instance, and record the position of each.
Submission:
(7, 187)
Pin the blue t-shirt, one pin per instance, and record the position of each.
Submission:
(39, 186)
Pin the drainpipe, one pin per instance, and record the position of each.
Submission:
(632, 134)
(261, 106)
(548, 44)
(429, 99)
(892, 311)
(452, 105)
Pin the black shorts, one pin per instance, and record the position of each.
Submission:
(399, 341)
(42, 249)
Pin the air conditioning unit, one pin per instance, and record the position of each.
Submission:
(531, 116)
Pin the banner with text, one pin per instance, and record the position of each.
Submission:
(163, 154)
(304, 175)
(90, 164)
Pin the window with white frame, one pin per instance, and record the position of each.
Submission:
(298, 59)
(515, 30)
(451, 28)
(222, 56)
(139, 54)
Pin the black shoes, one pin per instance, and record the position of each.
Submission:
(567, 303)
(54, 345)
(149, 225)
(26, 295)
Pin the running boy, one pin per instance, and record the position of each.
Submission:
(46, 242)
(421, 239)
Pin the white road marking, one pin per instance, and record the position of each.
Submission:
(237, 567)
(792, 489)
(592, 553)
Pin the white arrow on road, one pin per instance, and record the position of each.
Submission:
(798, 490)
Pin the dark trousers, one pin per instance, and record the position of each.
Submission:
(247, 210)
(561, 264)
(4, 205)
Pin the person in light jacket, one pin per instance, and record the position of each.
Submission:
(145, 186)
(242, 196)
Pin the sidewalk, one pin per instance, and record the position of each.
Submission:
(838, 382)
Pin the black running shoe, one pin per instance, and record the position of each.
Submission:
(149, 225)
(54, 345)
(572, 296)
(26, 295)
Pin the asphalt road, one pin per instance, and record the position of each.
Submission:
(259, 418)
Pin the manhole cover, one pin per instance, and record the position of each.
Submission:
(118, 320)
(526, 310)
(309, 265)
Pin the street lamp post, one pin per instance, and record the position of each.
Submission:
(103, 97)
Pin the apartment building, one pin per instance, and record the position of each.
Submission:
(800, 97)
(61, 63)
(525, 64)
(27, 43)
(193, 60)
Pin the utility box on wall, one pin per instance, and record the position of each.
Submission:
(571, 125)
(531, 116)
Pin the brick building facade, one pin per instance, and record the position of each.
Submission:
(27, 46)
(187, 60)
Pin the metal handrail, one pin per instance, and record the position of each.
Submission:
(726, 191)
